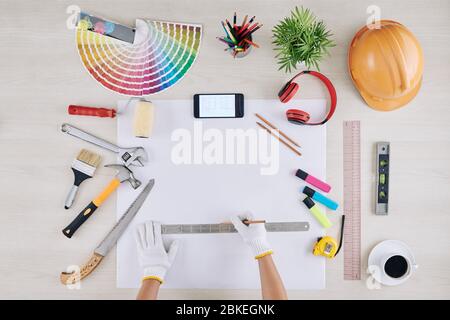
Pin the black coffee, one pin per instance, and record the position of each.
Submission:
(396, 266)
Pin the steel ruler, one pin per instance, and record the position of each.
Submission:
(352, 200)
(229, 228)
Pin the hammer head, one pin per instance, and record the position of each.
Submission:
(125, 174)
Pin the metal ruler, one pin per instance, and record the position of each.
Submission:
(352, 200)
(229, 228)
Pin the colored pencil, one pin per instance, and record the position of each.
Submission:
(245, 20)
(229, 24)
(279, 139)
(251, 30)
(251, 42)
(225, 41)
(228, 33)
(243, 29)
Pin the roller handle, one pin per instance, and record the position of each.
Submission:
(91, 111)
(70, 230)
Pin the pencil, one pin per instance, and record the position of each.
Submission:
(229, 42)
(229, 24)
(250, 31)
(245, 20)
(225, 29)
(279, 139)
(247, 221)
(252, 43)
(244, 28)
(229, 34)
(273, 127)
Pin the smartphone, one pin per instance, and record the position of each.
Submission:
(220, 105)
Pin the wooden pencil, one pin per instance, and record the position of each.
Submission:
(247, 221)
(273, 127)
(252, 43)
(279, 139)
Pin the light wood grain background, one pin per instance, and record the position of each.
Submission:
(40, 74)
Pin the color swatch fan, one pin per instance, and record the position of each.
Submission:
(157, 57)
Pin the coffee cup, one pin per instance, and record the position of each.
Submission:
(396, 266)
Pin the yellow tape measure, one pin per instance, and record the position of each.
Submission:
(328, 246)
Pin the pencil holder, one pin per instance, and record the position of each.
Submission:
(238, 36)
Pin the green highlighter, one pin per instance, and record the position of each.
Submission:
(319, 215)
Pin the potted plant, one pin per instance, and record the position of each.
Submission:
(301, 38)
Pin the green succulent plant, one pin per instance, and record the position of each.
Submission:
(301, 38)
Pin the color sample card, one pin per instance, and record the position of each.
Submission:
(160, 56)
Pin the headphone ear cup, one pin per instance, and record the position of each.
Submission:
(288, 91)
(297, 116)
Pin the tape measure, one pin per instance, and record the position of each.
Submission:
(327, 246)
(352, 200)
(229, 228)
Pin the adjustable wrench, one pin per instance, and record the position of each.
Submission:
(129, 156)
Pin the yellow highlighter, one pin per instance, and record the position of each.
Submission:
(319, 215)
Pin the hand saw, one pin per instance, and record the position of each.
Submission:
(110, 240)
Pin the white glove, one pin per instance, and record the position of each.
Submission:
(152, 255)
(255, 235)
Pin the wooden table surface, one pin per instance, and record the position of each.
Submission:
(40, 74)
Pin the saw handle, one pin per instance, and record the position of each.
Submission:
(70, 230)
(74, 277)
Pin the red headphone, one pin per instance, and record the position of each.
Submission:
(299, 116)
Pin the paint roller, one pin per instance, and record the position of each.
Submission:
(143, 119)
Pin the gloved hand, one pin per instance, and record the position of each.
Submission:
(153, 257)
(255, 235)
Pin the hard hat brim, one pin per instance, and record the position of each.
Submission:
(390, 104)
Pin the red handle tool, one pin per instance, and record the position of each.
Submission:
(91, 111)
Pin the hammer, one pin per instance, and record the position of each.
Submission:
(123, 174)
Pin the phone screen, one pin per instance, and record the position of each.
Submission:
(218, 105)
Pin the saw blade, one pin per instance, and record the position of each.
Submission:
(110, 240)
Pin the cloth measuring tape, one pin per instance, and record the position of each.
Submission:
(301, 117)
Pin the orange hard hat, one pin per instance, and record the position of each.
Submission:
(386, 65)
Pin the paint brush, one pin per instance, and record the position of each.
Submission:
(83, 168)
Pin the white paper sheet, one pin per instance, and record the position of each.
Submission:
(202, 193)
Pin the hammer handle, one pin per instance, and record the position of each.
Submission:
(81, 218)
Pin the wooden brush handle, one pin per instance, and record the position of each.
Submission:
(74, 277)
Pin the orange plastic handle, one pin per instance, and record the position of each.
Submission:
(113, 185)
